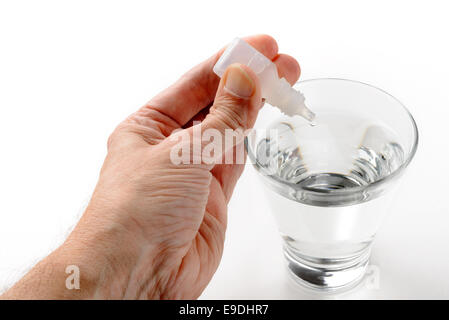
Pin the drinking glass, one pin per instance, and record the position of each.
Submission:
(329, 184)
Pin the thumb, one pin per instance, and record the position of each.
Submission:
(234, 110)
(236, 102)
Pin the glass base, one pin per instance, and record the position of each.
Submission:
(328, 275)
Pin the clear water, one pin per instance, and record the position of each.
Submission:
(339, 152)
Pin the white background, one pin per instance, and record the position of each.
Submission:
(70, 71)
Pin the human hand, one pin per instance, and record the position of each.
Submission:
(155, 229)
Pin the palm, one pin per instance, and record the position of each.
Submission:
(206, 248)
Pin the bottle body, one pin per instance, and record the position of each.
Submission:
(240, 51)
(277, 92)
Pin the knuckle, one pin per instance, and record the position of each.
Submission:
(231, 112)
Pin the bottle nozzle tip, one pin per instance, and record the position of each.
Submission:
(307, 114)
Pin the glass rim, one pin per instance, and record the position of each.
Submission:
(357, 189)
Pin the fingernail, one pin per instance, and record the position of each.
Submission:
(238, 82)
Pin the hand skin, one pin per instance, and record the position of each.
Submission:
(153, 229)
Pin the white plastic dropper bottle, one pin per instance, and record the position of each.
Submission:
(277, 92)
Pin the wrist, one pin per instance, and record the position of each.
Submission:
(105, 256)
(51, 278)
(116, 258)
